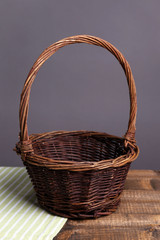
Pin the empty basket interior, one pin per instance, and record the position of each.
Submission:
(78, 147)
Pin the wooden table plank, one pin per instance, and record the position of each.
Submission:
(137, 218)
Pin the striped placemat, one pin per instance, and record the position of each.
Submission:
(20, 216)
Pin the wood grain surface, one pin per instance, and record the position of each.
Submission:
(137, 218)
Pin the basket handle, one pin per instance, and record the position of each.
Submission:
(24, 102)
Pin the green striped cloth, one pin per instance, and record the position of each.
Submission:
(20, 216)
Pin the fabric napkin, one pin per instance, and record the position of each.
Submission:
(20, 216)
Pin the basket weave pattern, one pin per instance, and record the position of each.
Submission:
(78, 174)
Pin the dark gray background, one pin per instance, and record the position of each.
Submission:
(81, 86)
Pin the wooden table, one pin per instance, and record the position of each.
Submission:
(137, 218)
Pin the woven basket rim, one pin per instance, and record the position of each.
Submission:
(38, 160)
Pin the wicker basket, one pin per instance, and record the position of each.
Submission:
(77, 174)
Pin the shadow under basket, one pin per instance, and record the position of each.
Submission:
(78, 174)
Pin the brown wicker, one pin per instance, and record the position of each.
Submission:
(78, 174)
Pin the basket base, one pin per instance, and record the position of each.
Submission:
(78, 195)
(83, 192)
(109, 209)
